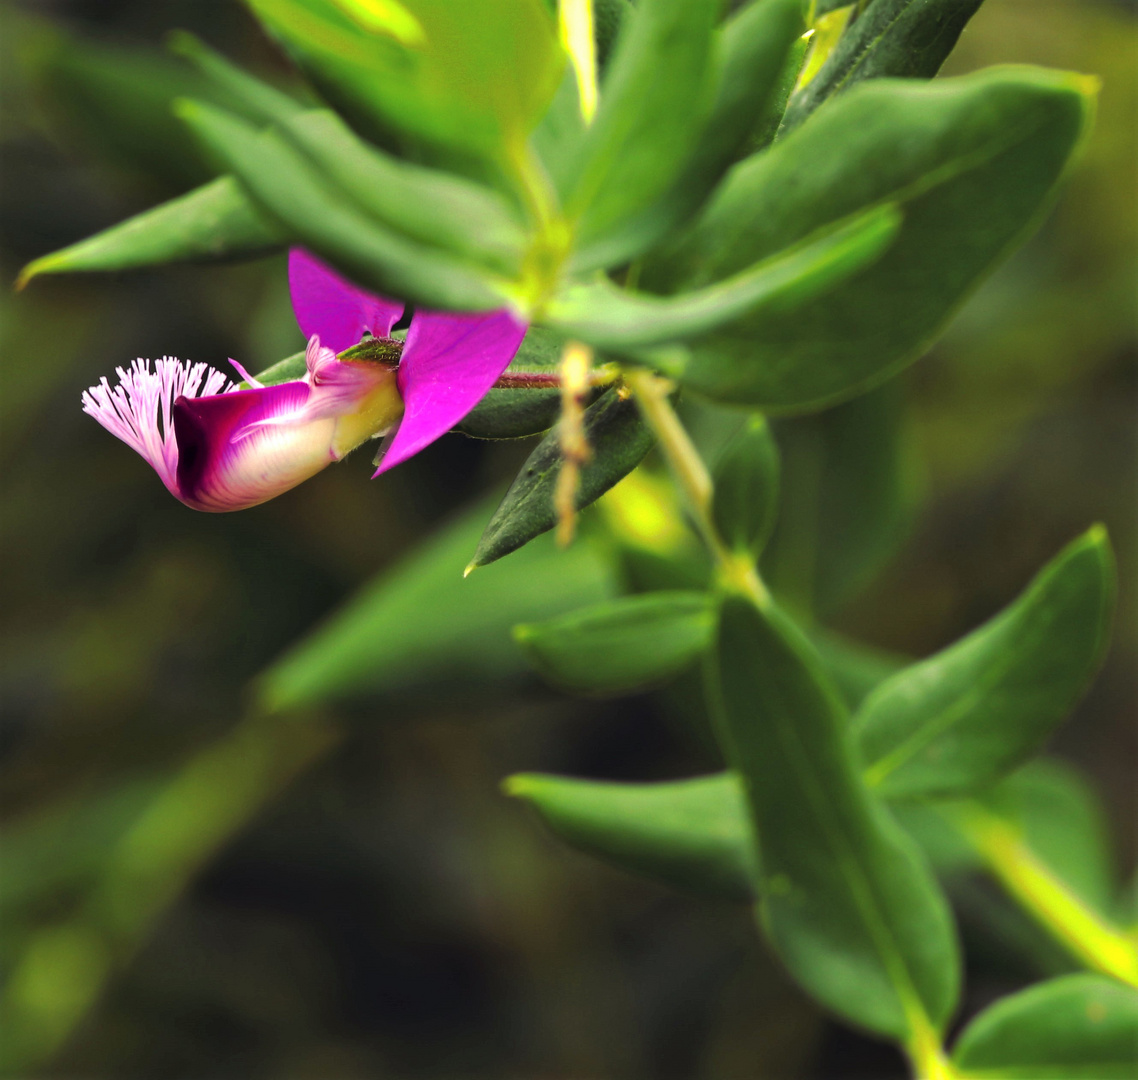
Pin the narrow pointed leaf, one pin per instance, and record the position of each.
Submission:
(431, 73)
(292, 192)
(974, 162)
(964, 717)
(286, 370)
(623, 645)
(900, 38)
(1061, 819)
(259, 101)
(64, 845)
(608, 19)
(855, 668)
(685, 833)
(619, 440)
(557, 138)
(1078, 1027)
(115, 100)
(217, 221)
(433, 207)
(745, 500)
(388, 638)
(849, 500)
(646, 126)
(846, 899)
(767, 126)
(751, 54)
(613, 318)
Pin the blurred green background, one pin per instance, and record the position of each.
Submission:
(344, 892)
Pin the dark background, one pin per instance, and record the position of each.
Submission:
(389, 913)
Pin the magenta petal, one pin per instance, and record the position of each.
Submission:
(238, 449)
(448, 365)
(334, 309)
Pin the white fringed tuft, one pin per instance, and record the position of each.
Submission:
(137, 410)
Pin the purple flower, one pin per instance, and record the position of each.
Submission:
(217, 447)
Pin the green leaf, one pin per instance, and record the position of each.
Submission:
(258, 100)
(901, 38)
(766, 127)
(558, 136)
(619, 440)
(685, 833)
(422, 626)
(973, 162)
(471, 77)
(436, 208)
(745, 500)
(66, 844)
(1078, 1027)
(623, 645)
(513, 413)
(289, 369)
(846, 899)
(867, 495)
(849, 499)
(1126, 909)
(646, 127)
(608, 20)
(216, 221)
(1063, 823)
(947, 849)
(966, 716)
(855, 668)
(1053, 810)
(116, 101)
(291, 191)
(613, 318)
(752, 52)
(710, 814)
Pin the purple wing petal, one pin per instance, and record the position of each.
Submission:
(334, 309)
(449, 364)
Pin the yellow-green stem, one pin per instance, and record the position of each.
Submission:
(575, 18)
(736, 569)
(1094, 941)
(926, 1052)
(576, 362)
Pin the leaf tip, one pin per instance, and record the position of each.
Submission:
(1097, 535)
(1095, 542)
(518, 786)
(183, 43)
(470, 568)
(1089, 86)
(187, 109)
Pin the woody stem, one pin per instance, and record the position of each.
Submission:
(549, 380)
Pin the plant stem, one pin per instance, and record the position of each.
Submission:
(736, 569)
(926, 1052)
(1096, 942)
(551, 380)
(576, 26)
(576, 364)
